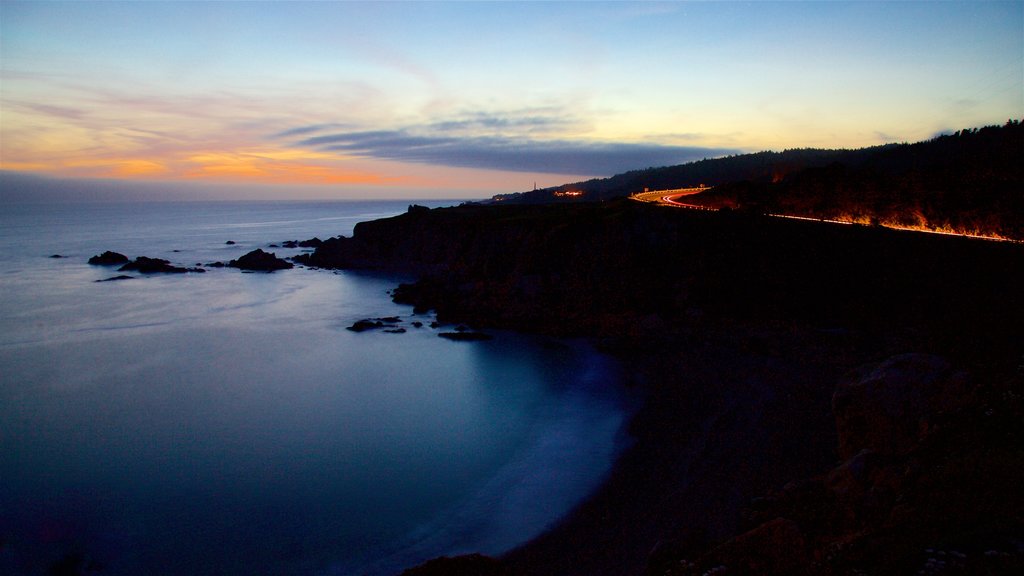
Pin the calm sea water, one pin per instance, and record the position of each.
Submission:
(227, 423)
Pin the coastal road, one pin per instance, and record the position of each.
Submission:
(671, 198)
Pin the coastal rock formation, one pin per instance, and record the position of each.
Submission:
(261, 261)
(740, 329)
(930, 489)
(108, 258)
(775, 547)
(365, 324)
(146, 265)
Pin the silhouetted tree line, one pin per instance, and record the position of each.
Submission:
(711, 172)
(971, 180)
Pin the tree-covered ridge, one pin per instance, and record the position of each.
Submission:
(710, 172)
(969, 181)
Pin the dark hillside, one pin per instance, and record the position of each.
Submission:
(761, 166)
(586, 268)
(968, 182)
(971, 182)
(768, 350)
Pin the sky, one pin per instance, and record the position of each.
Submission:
(470, 99)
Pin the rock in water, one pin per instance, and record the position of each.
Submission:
(108, 258)
(372, 323)
(147, 265)
(260, 261)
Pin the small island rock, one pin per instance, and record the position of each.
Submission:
(260, 261)
(147, 265)
(108, 258)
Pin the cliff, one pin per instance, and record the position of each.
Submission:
(782, 412)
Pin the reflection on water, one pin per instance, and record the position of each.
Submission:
(227, 423)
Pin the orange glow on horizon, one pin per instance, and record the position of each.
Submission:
(263, 167)
(275, 167)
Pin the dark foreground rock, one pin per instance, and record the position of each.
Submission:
(890, 407)
(116, 278)
(146, 265)
(932, 493)
(365, 324)
(261, 261)
(108, 258)
(311, 243)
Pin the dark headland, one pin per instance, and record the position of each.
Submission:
(818, 398)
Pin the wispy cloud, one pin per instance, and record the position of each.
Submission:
(303, 130)
(540, 140)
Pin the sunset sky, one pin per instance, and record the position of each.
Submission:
(469, 99)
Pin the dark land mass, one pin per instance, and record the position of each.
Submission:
(819, 399)
(969, 181)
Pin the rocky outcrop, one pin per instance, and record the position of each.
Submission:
(365, 324)
(311, 243)
(603, 268)
(260, 261)
(146, 265)
(775, 547)
(889, 408)
(108, 258)
(930, 488)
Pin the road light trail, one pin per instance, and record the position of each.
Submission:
(669, 198)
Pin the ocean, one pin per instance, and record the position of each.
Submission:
(228, 423)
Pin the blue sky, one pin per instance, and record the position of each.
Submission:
(352, 99)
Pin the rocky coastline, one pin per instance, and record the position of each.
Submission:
(819, 399)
